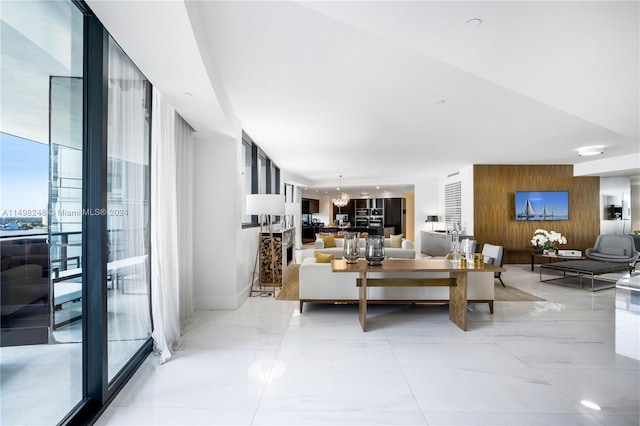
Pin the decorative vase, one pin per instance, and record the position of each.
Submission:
(351, 249)
(456, 253)
(374, 251)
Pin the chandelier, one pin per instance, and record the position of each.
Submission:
(342, 200)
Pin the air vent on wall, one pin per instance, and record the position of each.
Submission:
(453, 203)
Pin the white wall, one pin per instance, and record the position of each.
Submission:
(635, 205)
(224, 253)
(426, 203)
(220, 254)
(611, 192)
(325, 208)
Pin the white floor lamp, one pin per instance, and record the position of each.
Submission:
(265, 206)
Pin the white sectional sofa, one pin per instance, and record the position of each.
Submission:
(405, 251)
(319, 284)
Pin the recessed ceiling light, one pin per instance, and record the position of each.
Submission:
(589, 151)
(590, 404)
(473, 23)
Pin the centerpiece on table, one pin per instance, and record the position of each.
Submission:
(546, 241)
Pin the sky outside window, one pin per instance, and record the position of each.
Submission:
(24, 174)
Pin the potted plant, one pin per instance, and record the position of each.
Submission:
(546, 241)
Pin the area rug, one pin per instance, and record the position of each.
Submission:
(512, 294)
(289, 291)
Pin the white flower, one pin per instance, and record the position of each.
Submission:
(544, 238)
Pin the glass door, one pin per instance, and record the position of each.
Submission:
(41, 73)
(128, 209)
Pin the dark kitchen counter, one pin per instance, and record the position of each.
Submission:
(371, 231)
(310, 230)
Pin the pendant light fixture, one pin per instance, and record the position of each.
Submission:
(342, 199)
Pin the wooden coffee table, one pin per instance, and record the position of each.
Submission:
(457, 281)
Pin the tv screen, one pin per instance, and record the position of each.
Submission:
(542, 205)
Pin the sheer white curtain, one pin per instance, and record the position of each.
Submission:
(171, 282)
(129, 324)
(184, 184)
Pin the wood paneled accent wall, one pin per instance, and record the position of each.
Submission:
(494, 188)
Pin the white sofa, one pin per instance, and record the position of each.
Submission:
(405, 251)
(319, 284)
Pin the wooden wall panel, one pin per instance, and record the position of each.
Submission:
(494, 207)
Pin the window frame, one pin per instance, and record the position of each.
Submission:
(258, 159)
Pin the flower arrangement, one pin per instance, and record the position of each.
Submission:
(547, 240)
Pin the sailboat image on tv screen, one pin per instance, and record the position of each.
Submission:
(541, 205)
(527, 212)
(546, 215)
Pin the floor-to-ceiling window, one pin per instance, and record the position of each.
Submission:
(128, 218)
(74, 213)
(41, 76)
(261, 175)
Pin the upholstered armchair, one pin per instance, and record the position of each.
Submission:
(614, 248)
(494, 255)
(636, 241)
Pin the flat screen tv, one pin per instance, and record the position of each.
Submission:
(542, 205)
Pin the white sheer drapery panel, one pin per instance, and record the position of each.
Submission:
(165, 281)
(184, 185)
(127, 158)
(128, 218)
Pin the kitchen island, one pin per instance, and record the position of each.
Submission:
(309, 231)
(371, 231)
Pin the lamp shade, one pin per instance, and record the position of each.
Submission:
(292, 208)
(272, 204)
(432, 219)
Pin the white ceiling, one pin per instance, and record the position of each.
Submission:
(40, 40)
(356, 88)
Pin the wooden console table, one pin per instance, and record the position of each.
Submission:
(457, 281)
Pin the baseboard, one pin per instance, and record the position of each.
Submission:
(201, 303)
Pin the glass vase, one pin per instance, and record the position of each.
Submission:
(374, 251)
(456, 253)
(351, 249)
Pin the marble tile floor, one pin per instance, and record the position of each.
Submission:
(531, 363)
(40, 384)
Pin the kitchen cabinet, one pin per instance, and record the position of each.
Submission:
(395, 214)
(310, 205)
(310, 230)
(361, 203)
